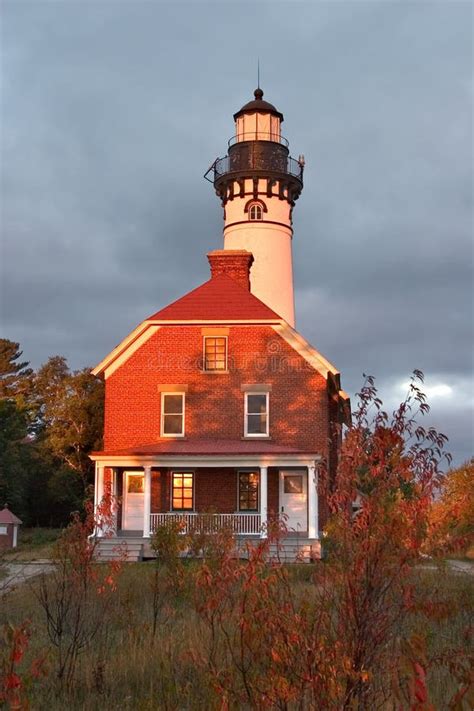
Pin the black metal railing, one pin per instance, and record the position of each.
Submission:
(286, 165)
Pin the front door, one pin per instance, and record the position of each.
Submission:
(294, 500)
(133, 501)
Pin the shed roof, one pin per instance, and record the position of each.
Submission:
(6, 516)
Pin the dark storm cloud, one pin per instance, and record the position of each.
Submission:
(112, 111)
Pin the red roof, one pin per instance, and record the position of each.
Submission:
(6, 516)
(219, 298)
(204, 446)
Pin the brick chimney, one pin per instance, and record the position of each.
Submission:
(234, 263)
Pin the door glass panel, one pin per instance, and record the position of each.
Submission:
(135, 484)
(293, 484)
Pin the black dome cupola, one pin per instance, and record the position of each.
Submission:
(258, 104)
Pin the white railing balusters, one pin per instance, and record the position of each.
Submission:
(240, 524)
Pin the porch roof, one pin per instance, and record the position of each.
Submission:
(210, 447)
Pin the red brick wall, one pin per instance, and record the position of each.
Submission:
(214, 402)
(216, 490)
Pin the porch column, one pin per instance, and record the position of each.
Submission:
(263, 501)
(114, 496)
(312, 502)
(99, 485)
(146, 501)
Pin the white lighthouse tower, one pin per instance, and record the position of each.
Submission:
(258, 183)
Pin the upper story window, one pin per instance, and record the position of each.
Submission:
(256, 414)
(255, 211)
(172, 414)
(215, 353)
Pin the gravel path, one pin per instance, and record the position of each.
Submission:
(462, 566)
(17, 573)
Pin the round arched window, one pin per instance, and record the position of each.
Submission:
(255, 211)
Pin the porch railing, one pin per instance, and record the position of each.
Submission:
(241, 524)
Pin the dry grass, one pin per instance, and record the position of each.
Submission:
(33, 544)
(127, 669)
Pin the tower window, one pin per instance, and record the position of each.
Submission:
(255, 212)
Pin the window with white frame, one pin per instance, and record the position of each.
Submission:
(215, 352)
(256, 414)
(255, 211)
(172, 414)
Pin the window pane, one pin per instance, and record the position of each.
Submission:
(256, 424)
(173, 404)
(173, 424)
(182, 495)
(293, 484)
(135, 484)
(215, 353)
(248, 491)
(256, 403)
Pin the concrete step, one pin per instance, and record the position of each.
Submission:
(129, 549)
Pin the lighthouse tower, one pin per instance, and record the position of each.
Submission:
(258, 183)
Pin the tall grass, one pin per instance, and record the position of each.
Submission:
(129, 669)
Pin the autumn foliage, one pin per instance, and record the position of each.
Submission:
(241, 630)
(452, 513)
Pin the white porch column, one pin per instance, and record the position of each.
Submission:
(146, 502)
(263, 501)
(99, 487)
(312, 502)
(114, 497)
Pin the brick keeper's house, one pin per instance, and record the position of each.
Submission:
(216, 404)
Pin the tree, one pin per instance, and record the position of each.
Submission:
(14, 456)
(70, 406)
(15, 377)
(452, 514)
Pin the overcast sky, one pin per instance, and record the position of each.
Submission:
(111, 112)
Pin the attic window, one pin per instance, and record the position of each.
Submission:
(255, 211)
(215, 353)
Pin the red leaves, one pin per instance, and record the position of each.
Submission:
(14, 680)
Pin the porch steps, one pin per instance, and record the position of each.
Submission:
(133, 549)
(126, 549)
(291, 551)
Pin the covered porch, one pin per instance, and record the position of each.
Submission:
(206, 492)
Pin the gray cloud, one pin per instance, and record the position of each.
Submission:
(112, 111)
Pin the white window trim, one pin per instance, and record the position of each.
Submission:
(182, 471)
(246, 413)
(215, 370)
(183, 415)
